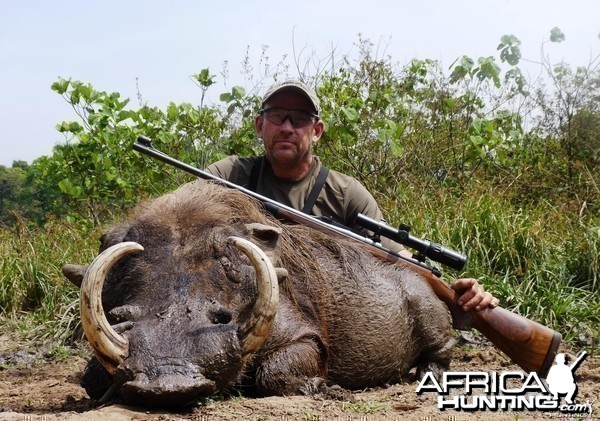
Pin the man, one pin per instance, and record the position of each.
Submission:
(289, 125)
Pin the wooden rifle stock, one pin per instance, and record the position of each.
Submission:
(528, 344)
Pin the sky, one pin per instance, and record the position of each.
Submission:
(153, 47)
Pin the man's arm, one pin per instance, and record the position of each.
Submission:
(223, 168)
(233, 168)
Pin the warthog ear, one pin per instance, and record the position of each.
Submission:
(74, 273)
(267, 238)
(118, 234)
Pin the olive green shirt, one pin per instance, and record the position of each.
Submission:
(341, 198)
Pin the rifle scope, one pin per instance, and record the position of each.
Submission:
(433, 251)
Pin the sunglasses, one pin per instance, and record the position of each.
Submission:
(298, 118)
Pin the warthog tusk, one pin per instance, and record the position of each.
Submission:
(111, 348)
(256, 329)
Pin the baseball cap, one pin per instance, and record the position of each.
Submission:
(294, 85)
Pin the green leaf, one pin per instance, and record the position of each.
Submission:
(383, 135)
(121, 182)
(556, 35)
(238, 92)
(67, 187)
(399, 131)
(204, 78)
(166, 137)
(75, 127)
(488, 69)
(107, 162)
(476, 141)
(75, 97)
(172, 111)
(350, 113)
(62, 127)
(85, 92)
(509, 49)
(125, 114)
(193, 116)
(462, 69)
(226, 97)
(61, 85)
(397, 148)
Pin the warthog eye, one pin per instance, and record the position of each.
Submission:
(220, 316)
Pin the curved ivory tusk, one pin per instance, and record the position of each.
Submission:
(256, 329)
(111, 348)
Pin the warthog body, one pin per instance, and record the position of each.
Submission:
(182, 306)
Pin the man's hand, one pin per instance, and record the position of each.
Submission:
(472, 295)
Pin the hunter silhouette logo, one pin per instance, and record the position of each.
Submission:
(509, 390)
(560, 377)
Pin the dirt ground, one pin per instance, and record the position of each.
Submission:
(36, 387)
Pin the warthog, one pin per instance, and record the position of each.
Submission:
(202, 291)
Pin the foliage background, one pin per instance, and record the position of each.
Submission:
(477, 158)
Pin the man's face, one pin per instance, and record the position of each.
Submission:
(284, 143)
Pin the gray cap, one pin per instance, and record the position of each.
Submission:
(294, 85)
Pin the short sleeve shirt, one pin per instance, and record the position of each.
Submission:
(342, 197)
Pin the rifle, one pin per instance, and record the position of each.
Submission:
(529, 344)
(426, 249)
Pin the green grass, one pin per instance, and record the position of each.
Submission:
(540, 260)
(35, 298)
